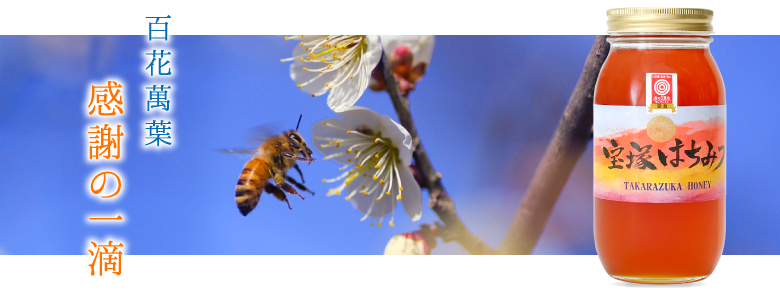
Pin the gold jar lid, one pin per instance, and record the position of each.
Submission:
(658, 19)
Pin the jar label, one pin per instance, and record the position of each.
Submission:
(643, 156)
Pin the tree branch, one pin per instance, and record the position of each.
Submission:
(440, 201)
(570, 140)
(568, 144)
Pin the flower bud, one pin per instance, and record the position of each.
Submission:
(409, 59)
(411, 243)
(401, 60)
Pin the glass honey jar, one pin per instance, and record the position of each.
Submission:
(659, 148)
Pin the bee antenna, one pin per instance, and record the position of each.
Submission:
(299, 122)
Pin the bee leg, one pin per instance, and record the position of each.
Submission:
(299, 172)
(286, 187)
(279, 178)
(298, 185)
(278, 193)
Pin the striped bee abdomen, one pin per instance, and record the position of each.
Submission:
(251, 183)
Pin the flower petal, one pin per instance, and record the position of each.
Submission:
(301, 76)
(360, 116)
(411, 196)
(425, 52)
(374, 53)
(322, 131)
(347, 94)
(400, 138)
(368, 204)
(308, 38)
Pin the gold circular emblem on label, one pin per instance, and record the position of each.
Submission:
(661, 129)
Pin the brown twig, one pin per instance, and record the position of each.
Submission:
(568, 144)
(440, 201)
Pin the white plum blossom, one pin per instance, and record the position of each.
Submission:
(411, 243)
(376, 153)
(341, 64)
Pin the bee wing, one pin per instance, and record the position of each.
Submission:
(244, 153)
(256, 135)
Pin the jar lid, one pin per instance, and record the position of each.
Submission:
(658, 19)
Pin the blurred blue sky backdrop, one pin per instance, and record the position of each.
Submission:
(481, 95)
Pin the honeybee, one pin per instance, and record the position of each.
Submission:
(271, 160)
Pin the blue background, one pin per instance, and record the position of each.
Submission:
(482, 95)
